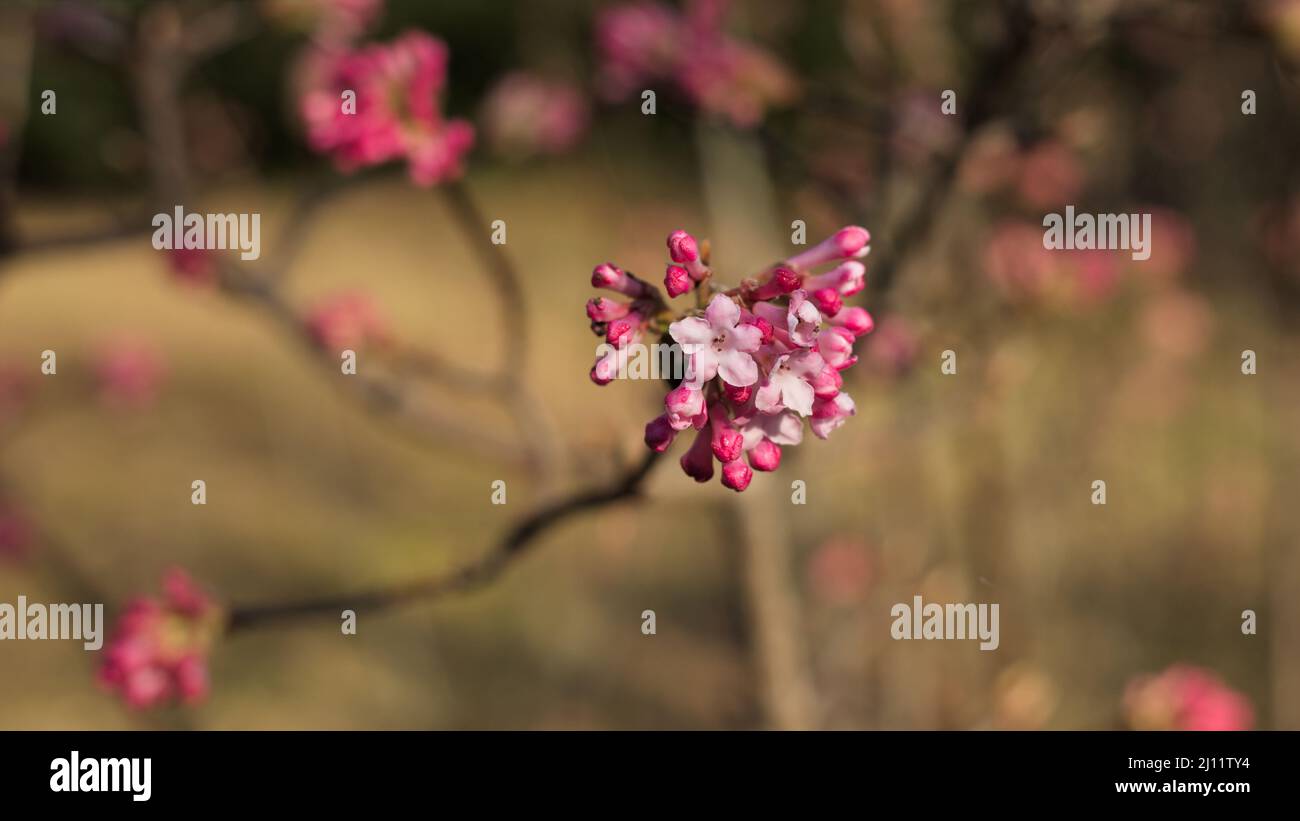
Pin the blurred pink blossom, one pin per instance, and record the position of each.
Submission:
(840, 570)
(346, 320)
(159, 650)
(526, 115)
(129, 373)
(1050, 175)
(193, 266)
(16, 386)
(398, 88)
(1184, 697)
(1018, 264)
(894, 346)
(642, 43)
(15, 532)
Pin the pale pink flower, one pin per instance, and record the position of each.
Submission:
(159, 650)
(788, 383)
(803, 320)
(783, 428)
(830, 414)
(720, 345)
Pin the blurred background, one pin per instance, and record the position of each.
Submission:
(977, 486)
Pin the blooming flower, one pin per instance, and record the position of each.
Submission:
(159, 650)
(721, 345)
(787, 384)
(398, 88)
(763, 355)
(1183, 697)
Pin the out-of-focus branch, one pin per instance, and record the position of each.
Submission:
(472, 576)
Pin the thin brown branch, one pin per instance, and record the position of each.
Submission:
(468, 578)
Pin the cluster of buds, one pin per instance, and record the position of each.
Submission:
(159, 650)
(761, 357)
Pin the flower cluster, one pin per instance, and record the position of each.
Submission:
(646, 42)
(762, 357)
(1186, 698)
(396, 113)
(159, 650)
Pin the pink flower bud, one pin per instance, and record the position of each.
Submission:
(827, 383)
(762, 324)
(848, 278)
(829, 414)
(600, 309)
(738, 396)
(727, 443)
(677, 280)
(685, 407)
(609, 276)
(683, 249)
(836, 347)
(606, 368)
(782, 282)
(659, 433)
(855, 320)
(847, 243)
(697, 462)
(828, 301)
(623, 331)
(766, 455)
(736, 475)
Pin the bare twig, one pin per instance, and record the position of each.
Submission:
(472, 576)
